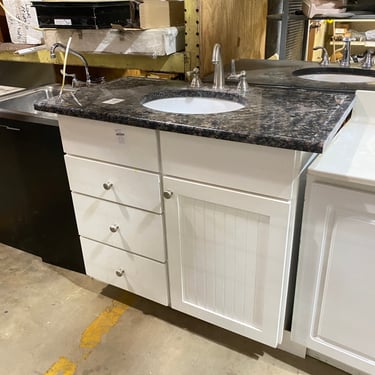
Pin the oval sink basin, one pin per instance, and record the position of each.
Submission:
(336, 75)
(193, 105)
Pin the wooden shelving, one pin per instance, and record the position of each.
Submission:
(328, 33)
(239, 25)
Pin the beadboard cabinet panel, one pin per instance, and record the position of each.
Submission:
(227, 253)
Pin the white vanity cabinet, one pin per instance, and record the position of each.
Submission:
(114, 176)
(230, 210)
(230, 220)
(335, 300)
(334, 305)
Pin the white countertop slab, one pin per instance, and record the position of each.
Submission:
(351, 155)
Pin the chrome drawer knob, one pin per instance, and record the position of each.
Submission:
(107, 185)
(120, 272)
(168, 194)
(114, 228)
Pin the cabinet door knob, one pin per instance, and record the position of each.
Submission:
(168, 194)
(107, 185)
(120, 272)
(114, 228)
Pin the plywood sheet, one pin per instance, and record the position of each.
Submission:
(239, 25)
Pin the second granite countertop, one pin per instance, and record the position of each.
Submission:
(297, 119)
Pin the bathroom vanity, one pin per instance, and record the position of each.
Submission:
(334, 303)
(199, 212)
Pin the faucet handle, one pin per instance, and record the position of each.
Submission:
(242, 86)
(368, 60)
(325, 57)
(95, 80)
(233, 76)
(75, 82)
(195, 81)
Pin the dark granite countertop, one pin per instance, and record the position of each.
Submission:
(286, 116)
(280, 74)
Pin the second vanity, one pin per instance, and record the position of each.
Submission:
(199, 212)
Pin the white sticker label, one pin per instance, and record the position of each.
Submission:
(113, 101)
(62, 22)
(120, 134)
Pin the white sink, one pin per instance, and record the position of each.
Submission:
(336, 75)
(344, 78)
(193, 105)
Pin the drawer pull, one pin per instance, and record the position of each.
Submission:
(120, 272)
(107, 185)
(168, 194)
(114, 228)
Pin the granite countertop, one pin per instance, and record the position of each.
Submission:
(285, 116)
(280, 74)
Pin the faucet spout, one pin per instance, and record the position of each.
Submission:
(75, 53)
(219, 68)
(345, 62)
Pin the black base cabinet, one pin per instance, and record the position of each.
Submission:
(36, 209)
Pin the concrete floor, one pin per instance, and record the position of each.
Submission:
(58, 322)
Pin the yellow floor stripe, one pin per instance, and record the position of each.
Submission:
(90, 338)
(93, 334)
(62, 367)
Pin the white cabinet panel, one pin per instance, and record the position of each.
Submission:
(136, 274)
(227, 257)
(264, 170)
(127, 186)
(335, 298)
(114, 143)
(125, 227)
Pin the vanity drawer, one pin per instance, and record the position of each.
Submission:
(115, 143)
(263, 170)
(114, 183)
(127, 228)
(136, 274)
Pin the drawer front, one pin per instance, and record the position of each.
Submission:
(119, 144)
(253, 168)
(136, 274)
(124, 227)
(114, 183)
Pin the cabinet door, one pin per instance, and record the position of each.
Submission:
(227, 255)
(335, 296)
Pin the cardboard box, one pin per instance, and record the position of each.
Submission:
(160, 13)
(152, 42)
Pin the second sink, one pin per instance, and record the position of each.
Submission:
(336, 74)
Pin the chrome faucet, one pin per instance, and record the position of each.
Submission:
(325, 57)
(368, 61)
(75, 53)
(219, 79)
(345, 62)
